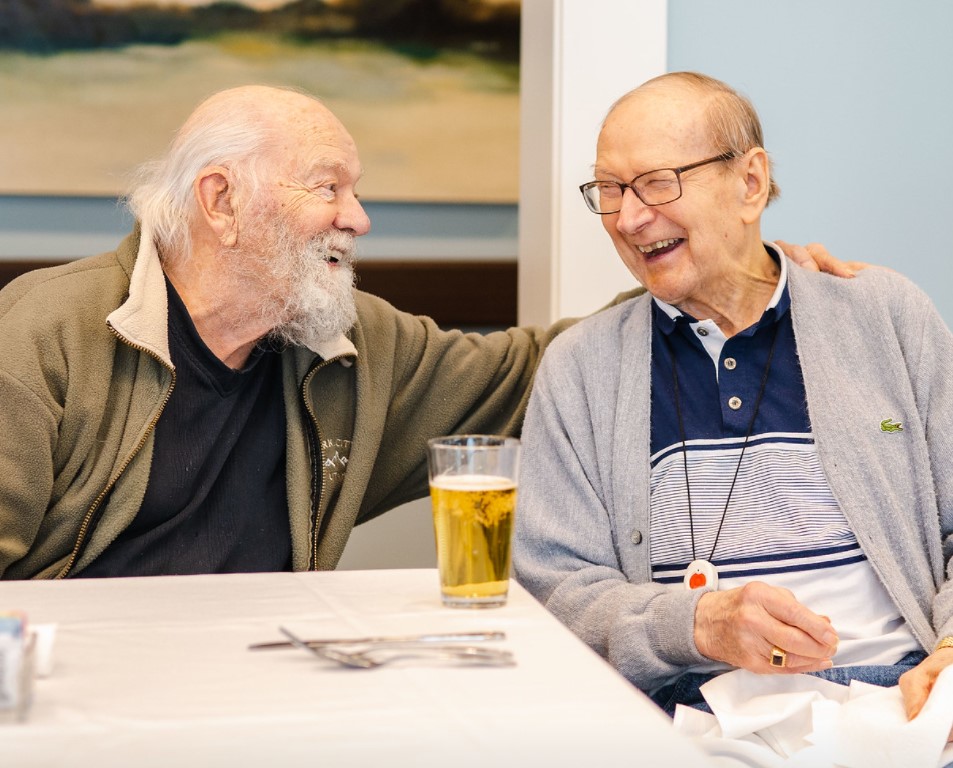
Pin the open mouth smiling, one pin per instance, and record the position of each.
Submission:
(335, 257)
(660, 247)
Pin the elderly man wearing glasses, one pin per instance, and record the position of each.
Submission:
(748, 466)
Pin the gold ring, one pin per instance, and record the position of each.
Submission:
(778, 658)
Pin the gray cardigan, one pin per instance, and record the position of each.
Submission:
(871, 348)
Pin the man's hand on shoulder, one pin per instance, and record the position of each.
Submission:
(817, 258)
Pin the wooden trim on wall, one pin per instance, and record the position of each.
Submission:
(453, 292)
(11, 268)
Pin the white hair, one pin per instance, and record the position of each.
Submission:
(230, 129)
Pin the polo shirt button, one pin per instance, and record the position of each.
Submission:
(636, 536)
(734, 403)
(702, 331)
(731, 363)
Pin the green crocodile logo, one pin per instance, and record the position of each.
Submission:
(889, 425)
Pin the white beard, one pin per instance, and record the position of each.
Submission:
(319, 303)
(308, 299)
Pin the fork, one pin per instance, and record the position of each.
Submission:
(443, 637)
(361, 659)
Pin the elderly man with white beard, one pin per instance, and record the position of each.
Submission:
(214, 396)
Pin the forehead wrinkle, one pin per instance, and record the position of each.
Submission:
(603, 169)
(670, 134)
(329, 164)
(313, 129)
(338, 165)
(618, 165)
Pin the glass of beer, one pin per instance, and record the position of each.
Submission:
(473, 490)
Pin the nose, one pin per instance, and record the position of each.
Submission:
(352, 217)
(634, 214)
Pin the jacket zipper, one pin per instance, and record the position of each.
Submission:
(87, 519)
(317, 450)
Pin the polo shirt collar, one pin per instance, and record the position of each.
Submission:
(667, 315)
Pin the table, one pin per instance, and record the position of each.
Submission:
(157, 672)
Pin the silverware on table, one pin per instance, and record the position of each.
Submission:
(370, 658)
(439, 637)
(361, 658)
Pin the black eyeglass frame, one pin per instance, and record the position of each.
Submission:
(583, 188)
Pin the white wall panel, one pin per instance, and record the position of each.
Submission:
(578, 57)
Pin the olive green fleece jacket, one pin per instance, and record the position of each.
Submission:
(85, 373)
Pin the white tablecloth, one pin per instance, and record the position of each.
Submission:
(157, 672)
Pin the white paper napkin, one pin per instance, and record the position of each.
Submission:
(803, 721)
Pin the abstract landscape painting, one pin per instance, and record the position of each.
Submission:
(428, 88)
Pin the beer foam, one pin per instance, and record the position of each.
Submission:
(473, 483)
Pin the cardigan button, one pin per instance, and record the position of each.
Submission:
(636, 536)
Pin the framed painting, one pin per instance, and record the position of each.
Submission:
(428, 88)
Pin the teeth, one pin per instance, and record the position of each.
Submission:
(656, 246)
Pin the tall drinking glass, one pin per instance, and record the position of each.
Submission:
(473, 489)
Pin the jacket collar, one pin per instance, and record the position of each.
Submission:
(143, 318)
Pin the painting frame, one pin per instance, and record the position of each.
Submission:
(433, 107)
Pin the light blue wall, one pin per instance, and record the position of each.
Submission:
(855, 98)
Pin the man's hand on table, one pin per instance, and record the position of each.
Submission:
(916, 684)
(741, 626)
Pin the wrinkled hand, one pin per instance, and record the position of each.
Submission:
(740, 626)
(817, 258)
(916, 684)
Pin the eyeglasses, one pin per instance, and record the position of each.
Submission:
(657, 187)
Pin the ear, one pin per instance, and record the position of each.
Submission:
(756, 173)
(213, 192)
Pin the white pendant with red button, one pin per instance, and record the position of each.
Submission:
(701, 574)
